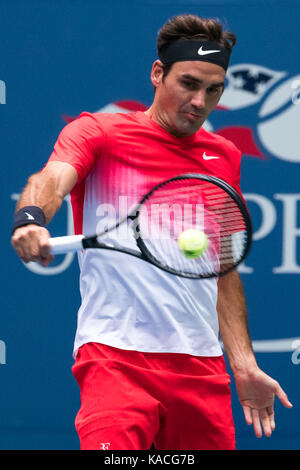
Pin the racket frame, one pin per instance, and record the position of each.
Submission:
(231, 192)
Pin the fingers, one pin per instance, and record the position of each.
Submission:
(256, 423)
(270, 411)
(282, 396)
(262, 420)
(248, 414)
(45, 255)
(266, 423)
(31, 243)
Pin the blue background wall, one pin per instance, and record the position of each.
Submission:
(59, 58)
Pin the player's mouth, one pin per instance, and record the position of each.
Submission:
(193, 116)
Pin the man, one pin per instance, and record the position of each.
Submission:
(148, 360)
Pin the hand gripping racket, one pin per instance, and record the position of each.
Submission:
(188, 201)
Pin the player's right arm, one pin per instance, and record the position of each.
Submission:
(45, 190)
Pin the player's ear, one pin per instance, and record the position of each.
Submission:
(157, 73)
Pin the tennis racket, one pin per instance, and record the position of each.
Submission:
(188, 201)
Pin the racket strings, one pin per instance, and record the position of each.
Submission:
(193, 204)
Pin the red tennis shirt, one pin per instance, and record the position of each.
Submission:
(127, 303)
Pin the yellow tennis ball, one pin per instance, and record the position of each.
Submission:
(193, 243)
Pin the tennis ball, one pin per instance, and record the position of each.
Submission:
(193, 243)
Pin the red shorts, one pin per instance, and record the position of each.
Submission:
(131, 400)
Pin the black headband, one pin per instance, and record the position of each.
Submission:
(183, 50)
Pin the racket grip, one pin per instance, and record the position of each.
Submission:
(70, 243)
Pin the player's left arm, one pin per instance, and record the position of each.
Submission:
(256, 390)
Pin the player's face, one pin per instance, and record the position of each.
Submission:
(186, 96)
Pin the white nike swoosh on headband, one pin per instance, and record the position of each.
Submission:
(201, 52)
(209, 157)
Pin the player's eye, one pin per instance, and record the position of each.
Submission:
(190, 85)
(214, 90)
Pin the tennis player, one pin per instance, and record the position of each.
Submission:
(147, 355)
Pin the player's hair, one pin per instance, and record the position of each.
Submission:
(188, 26)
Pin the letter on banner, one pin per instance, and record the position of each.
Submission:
(290, 233)
(267, 223)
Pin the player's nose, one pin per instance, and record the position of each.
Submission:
(198, 99)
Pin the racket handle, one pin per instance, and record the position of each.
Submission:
(70, 243)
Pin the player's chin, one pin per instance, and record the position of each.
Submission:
(189, 124)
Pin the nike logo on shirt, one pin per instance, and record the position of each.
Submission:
(209, 157)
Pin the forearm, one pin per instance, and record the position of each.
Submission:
(233, 323)
(45, 190)
(48, 188)
(41, 192)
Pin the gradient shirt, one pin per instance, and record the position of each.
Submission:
(126, 302)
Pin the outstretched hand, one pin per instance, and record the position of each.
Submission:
(257, 391)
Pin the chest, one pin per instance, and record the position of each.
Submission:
(131, 165)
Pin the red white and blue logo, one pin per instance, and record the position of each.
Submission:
(260, 106)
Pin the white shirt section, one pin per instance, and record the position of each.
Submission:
(129, 304)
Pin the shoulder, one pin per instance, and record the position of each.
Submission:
(91, 126)
(109, 119)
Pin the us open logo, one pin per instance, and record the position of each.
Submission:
(267, 99)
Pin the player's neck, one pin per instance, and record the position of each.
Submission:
(161, 118)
